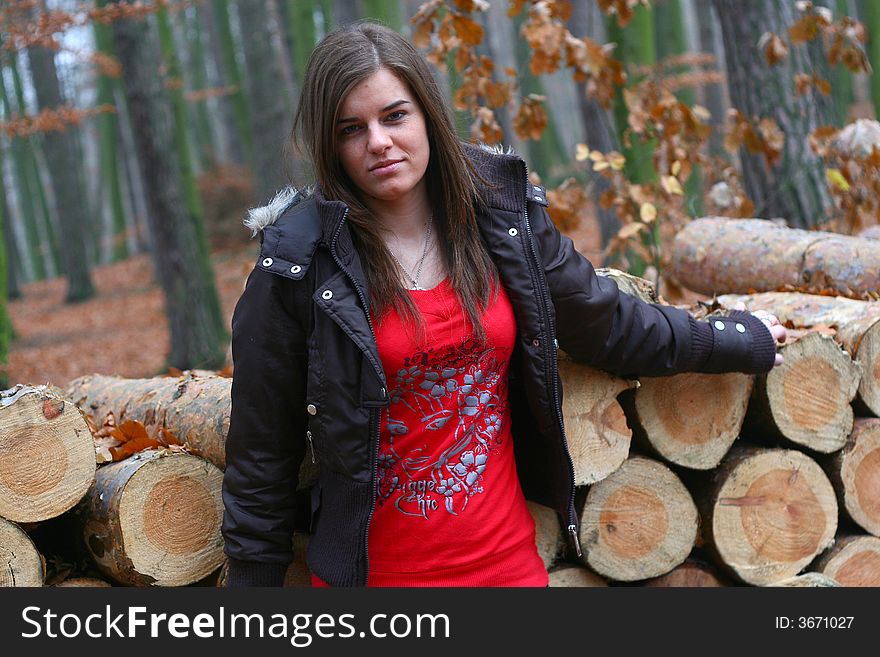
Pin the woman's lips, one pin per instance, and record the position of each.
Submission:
(386, 167)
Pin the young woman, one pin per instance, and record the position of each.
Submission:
(400, 328)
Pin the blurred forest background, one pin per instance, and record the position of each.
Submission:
(135, 136)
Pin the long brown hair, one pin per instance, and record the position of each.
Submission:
(338, 63)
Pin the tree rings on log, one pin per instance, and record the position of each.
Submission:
(855, 473)
(855, 326)
(770, 513)
(595, 425)
(639, 522)
(853, 561)
(20, 562)
(548, 533)
(154, 519)
(807, 399)
(691, 419)
(570, 575)
(47, 454)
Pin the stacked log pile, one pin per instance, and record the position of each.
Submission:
(689, 480)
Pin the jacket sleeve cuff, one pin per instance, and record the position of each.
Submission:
(254, 573)
(740, 342)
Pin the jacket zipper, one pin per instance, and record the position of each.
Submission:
(550, 357)
(374, 421)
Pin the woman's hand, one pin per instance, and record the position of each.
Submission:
(770, 320)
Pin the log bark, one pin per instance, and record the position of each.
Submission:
(20, 562)
(570, 575)
(548, 533)
(195, 408)
(47, 455)
(693, 573)
(689, 419)
(640, 522)
(806, 400)
(595, 425)
(154, 519)
(713, 255)
(856, 327)
(854, 472)
(853, 561)
(766, 513)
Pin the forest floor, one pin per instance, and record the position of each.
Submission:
(123, 330)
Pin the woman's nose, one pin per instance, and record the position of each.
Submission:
(379, 139)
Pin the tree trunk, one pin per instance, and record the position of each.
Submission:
(853, 561)
(872, 27)
(268, 112)
(806, 401)
(636, 49)
(570, 575)
(154, 519)
(230, 131)
(598, 126)
(14, 272)
(47, 455)
(387, 11)
(638, 523)
(195, 408)
(499, 46)
(719, 256)
(64, 166)
(184, 270)
(712, 95)
(301, 27)
(198, 81)
(794, 188)
(855, 474)
(766, 513)
(5, 268)
(24, 196)
(346, 11)
(108, 129)
(689, 419)
(671, 40)
(856, 326)
(595, 425)
(20, 562)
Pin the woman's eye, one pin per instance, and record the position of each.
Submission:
(349, 130)
(395, 116)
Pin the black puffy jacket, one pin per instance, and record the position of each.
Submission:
(308, 374)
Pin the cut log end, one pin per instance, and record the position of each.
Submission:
(571, 575)
(548, 533)
(595, 425)
(775, 510)
(807, 580)
(856, 471)
(692, 419)
(853, 561)
(639, 523)
(47, 455)
(810, 394)
(20, 562)
(690, 574)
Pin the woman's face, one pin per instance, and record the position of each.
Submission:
(382, 140)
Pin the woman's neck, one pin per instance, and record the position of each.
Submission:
(406, 218)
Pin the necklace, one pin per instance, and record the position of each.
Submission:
(414, 280)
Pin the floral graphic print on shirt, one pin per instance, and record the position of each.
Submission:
(453, 398)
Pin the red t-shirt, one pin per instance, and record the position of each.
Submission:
(449, 509)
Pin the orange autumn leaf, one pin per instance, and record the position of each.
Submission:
(469, 31)
(133, 447)
(130, 430)
(168, 438)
